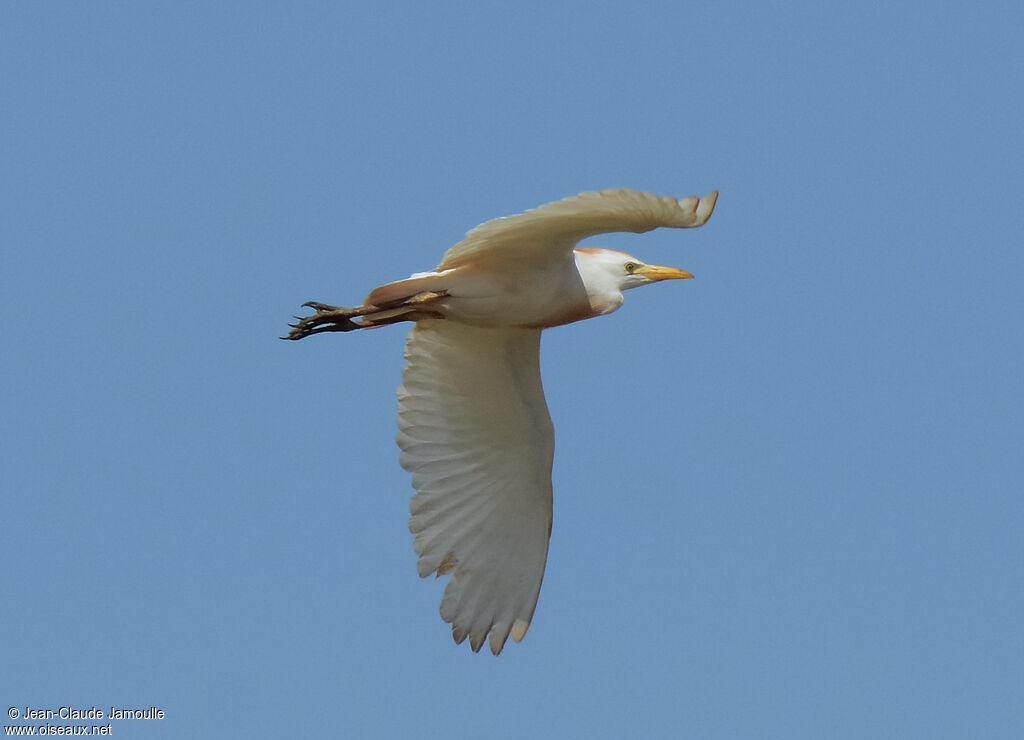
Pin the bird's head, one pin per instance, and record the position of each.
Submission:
(608, 272)
(610, 269)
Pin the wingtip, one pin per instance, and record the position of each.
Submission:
(519, 628)
(705, 207)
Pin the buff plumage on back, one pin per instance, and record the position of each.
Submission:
(475, 433)
(560, 225)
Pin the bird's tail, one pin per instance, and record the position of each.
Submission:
(402, 292)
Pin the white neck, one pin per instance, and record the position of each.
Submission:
(599, 270)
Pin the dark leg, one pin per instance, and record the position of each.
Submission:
(326, 318)
(337, 318)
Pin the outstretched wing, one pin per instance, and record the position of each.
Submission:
(562, 224)
(475, 433)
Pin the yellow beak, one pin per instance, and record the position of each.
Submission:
(658, 272)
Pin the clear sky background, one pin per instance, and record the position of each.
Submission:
(788, 493)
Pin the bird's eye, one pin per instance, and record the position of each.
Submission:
(630, 267)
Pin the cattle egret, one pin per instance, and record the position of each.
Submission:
(473, 425)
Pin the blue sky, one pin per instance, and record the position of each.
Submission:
(788, 493)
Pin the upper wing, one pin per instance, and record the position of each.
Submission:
(475, 434)
(560, 225)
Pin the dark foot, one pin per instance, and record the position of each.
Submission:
(326, 318)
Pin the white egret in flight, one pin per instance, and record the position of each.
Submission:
(473, 425)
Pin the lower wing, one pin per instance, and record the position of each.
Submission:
(475, 433)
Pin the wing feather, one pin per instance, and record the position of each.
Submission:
(475, 432)
(559, 226)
